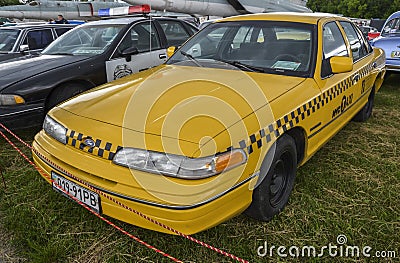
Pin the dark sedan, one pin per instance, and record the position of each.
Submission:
(20, 40)
(85, 57)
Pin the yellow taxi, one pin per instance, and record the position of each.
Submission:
(220, 129)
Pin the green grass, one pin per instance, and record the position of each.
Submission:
(351, 187)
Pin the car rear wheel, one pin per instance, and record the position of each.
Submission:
(366, 111)
(64, 92)
(272, 194)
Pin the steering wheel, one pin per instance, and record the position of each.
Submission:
(287, 57)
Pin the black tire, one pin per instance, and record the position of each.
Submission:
(62, 93)
(366, 111)
(272, 194)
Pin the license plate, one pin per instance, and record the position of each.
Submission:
(89, 198)
(395, 54)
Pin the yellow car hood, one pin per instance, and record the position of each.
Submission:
(183, 102)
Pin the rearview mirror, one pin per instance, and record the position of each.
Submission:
(341, 64)
(128, 52)
(171, 51)
(23, 48)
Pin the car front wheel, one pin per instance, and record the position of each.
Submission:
(64, 92)
(272, 194)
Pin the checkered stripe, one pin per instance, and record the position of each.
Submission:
(101, 148)
(288, 121)
(366, 70)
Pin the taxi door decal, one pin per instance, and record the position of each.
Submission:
(304, 111)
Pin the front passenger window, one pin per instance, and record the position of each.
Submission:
(333, 45)
(333, 42)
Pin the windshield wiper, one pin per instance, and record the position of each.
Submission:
(241, 65)
(59, 53)
(191, 58)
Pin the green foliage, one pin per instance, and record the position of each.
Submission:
(356, 8)
(9, 2)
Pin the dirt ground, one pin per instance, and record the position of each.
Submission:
(7, 252)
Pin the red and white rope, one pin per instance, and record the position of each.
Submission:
(84, 205)
(222, 252)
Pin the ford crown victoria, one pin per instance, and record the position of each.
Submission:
(20, 40)
(220, 128)
(85, 57)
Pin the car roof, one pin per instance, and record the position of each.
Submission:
(36, 26)
(310, 18)
(116, 21)
(128, 19)
(394, 15)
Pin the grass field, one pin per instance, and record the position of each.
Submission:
(350, 187)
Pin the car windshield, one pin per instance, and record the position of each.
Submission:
(8, 37)
(89, 40)
(392, 27)
(259, 46)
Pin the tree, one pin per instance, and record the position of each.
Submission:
(356, 8)
(9, 2)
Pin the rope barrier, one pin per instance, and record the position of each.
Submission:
(88, 208)
(222, 252)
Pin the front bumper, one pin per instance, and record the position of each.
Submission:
(187, 219)
(24, 116)
(392, 65)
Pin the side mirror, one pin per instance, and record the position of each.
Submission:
(128, 52)
(23, 48)
(341, 64)
(171, 51)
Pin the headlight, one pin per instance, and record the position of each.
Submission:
(179, 166)
(55, 130)
(10, 99)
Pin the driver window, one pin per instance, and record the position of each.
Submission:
(143, 36)
(38, 39)
(333, 42)
(393, 26)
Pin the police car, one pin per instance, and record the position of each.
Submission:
(87, 56)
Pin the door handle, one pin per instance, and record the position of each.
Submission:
(162, 56)
(356, 78)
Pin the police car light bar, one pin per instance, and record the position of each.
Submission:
(124, 10)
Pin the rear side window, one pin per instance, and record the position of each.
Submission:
(61, 31)
(191, 29)
(392, 27)
(358, 48)
(175, 32)
(38, 39)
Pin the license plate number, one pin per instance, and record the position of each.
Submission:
(395, 54)
(89, 198)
